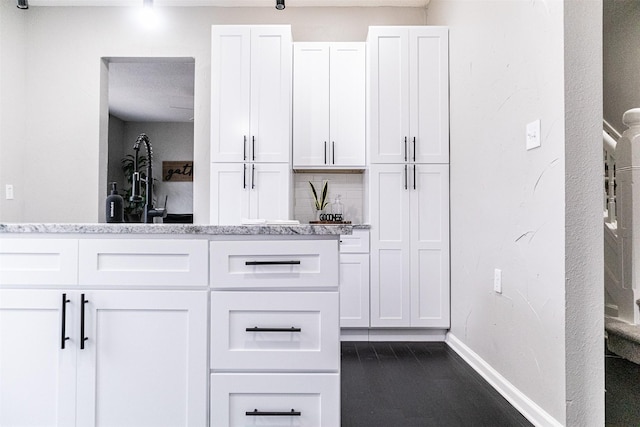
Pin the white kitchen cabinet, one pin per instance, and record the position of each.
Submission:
(409, 245)
(130, 358)
(329, 105)
(275, 399)
(250, 93)
(354, 279)
(144, 359)
(44, 262)
(275, 333)
(37, 376)
(249, 191)
(409, 93)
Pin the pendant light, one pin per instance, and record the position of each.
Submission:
(280, 4)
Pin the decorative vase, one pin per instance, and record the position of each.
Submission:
(318, 213)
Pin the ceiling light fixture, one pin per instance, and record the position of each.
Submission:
(280, 4)
(23, 4)
(147, 4)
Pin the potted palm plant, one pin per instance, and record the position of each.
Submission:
(321, 201)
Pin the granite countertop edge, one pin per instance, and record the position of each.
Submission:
(126, 228)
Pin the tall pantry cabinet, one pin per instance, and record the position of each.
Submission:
(250, 122)
(409, 176)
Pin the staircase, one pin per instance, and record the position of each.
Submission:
(623, 338)
(621, 238)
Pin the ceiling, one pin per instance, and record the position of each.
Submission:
(156, 90)
(237, 3)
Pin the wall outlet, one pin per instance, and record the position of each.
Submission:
(533, 135)
(497, 280)
(8, 192)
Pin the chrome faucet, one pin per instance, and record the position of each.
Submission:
(149, 211)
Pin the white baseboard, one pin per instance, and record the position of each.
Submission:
(376, 335)
(527, 407)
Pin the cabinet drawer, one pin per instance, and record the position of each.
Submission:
(269, 399)
(358, 242)
(143, 262)
(274, 264)
(38, 262)
(275, 331)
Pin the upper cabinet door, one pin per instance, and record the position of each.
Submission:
(429, 94)
(270, 93)
(250, 93)
(409, 90)
(389, 93)
(348, 104)
(310, 104)
(230, 92)
(329, 105)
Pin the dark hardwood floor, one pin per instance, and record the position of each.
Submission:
(417, 384)
(622, 396)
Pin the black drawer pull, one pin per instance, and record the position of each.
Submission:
(292, 262)
(256, 413)
(256, 329)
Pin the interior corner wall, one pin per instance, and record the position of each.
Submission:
(584, 260)
(507, 203)
(63, 70)
(12, 109)
(621, 59)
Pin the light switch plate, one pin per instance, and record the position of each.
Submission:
(8, 192)
(497, 280)
(533, 135)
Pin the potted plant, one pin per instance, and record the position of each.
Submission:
(322, 201)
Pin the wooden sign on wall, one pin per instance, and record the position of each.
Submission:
(177, 171)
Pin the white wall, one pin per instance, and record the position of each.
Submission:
(621, 59)
(12, 109)
(584, 246)
(63, 49)
(522, 211)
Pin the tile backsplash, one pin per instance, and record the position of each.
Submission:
(349, 186)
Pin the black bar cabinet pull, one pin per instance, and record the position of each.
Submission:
(405, 149)
(256, 413)
(244, 148)
(414, 148)
(291, 262)
(333, 152)
(325, 152)
(414, 177)
(253, 176)
(257, 329)
(253, 147)
(405, 177)
(82, 337)
(64, 336)
(244, 177)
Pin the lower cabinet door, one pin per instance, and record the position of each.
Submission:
(354, 290)
(144, 360)
(37, 375)
(305, 400)
(277, 331)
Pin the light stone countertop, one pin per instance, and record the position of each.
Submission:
(128, 228)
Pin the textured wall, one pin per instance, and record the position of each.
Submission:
(507, 203)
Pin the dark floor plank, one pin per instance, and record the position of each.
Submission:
(417, 384)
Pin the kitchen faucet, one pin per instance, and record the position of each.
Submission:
(149, 211)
